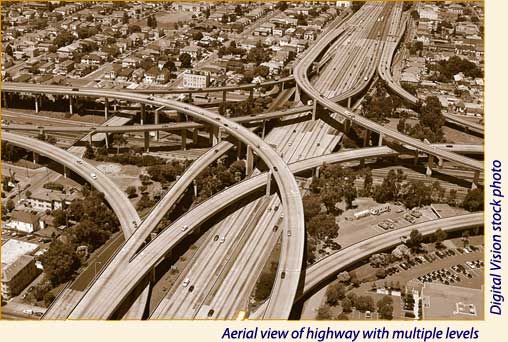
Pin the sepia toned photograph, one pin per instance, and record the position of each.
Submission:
(312, 160)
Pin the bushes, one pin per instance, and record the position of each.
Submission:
(53, 186)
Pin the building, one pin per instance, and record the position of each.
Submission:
(25, 221)
(441, 301)
(16, 276)
(196, 79)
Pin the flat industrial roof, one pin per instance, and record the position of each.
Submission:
(13, 249)
(442, 301)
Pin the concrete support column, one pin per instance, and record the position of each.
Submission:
(430, 165)
(268, 183)
(250, 161)
(156, 121)
(251, 93)
(90, 139)
(37, 104)
(195, 187)
(440, 162)
(476, 180)
(366, 138)
(115, 107)
(210, 140)
(35, 157)
(106, 108)
(238, 150)
(190, 97)
(314, 109)
(347, 125)
(380, 140)
(297, 94)
(224, 96)
(362, 163)
(107, 140)
(317, 171)
(263, 132)
(349, 103)
(143, 114)
(65, 171)
(183, 133)
(71, 106)
(281, 87)
(417, 154)
(195, 136)
(147, 141)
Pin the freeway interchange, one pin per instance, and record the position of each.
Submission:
(302, 146)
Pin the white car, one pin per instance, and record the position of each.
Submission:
(186, 282)
(184, 228)
(222, 239)
(93, 175)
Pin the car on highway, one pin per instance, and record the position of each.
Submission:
(191, 288)
(184, 228)
(186, 282)
(283, 275)
(222, 239)
(79, 161)
(210, 313)
(93, 175)
(216, 237)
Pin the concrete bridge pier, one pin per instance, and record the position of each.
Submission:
(71, 104)
(317, 171)
(106, 140)
(251, 93)
(268, 182)
(347, 125)
(195, 137)
(380, 140)
(263, 132)
(476, 180)
(183, 134)
(250, 161)
(90, 139)
(224, 96)
(65, 171)
(195, 188)
(238, 150)
(440, 162)
(297, 94)
(35, 157)
(146, 136)
(142, 116)
(417, 155)
(349, 103)
(156, 121)
(366, 138)
(37, 104)
(430, 165)
(106, 108)
(314, 109)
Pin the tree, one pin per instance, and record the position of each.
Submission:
(89, 152)
(473, 200)
(452, 197)
(324, 313)
(415, 239)
(335, 292)
(125, 18)
(119, 140)
(342, 317)
(431, 114)
(323, 226)
(385, 307)
(364, 303)
(8, 50)
(197, 35)
(60, 262)
(131, 191)
(59, 217)
(133, 29)
(186, 60)
(311, 206)
(9, 205)
(439, 236)
(347, 305)
(367, 183)
(151, 21)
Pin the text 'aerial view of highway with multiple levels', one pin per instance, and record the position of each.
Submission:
(242, 160)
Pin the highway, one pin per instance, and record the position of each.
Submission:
(116, 198)
(384, 70)
(292, 250)
(300, 73)
(223, 276)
